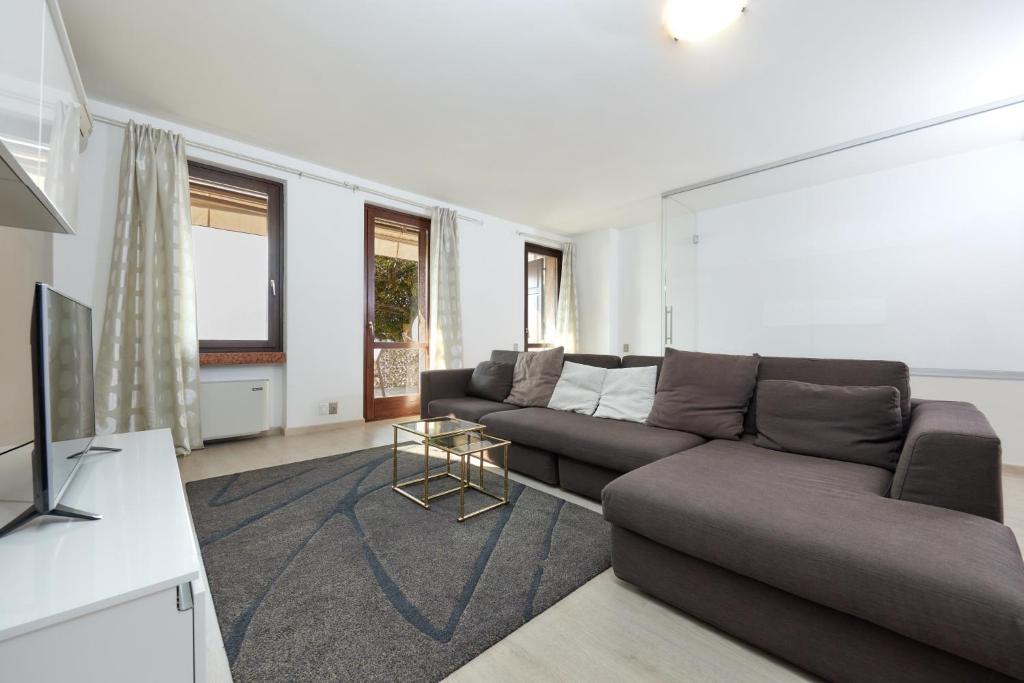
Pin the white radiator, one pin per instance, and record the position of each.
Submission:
(235, 408)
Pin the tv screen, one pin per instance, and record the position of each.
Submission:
(63, 373)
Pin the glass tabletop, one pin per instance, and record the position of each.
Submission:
(438, 426)
(469, 442)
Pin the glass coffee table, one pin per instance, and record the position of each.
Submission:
(453, 437)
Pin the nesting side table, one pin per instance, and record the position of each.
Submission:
(454, 437)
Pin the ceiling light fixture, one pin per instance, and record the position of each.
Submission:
(694, 20)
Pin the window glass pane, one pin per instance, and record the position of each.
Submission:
(229, 233)
(541, 297)
(396, 283)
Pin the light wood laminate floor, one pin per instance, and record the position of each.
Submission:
(604, 631)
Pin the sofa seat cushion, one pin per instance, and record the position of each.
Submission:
(612, 444)
(465, 407)
(821, 530)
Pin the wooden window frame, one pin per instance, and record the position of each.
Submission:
(275, 247)
(531, 248)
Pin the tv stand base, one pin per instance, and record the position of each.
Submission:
(59, 511)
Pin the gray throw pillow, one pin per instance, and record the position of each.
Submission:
(704, 393)
(535, 376)
(491, 380)
(855, 424)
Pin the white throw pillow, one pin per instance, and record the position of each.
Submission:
(578, 389)
(627, 394)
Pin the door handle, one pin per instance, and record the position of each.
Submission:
(273, 288)
(669, 324)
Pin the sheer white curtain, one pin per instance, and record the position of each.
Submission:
(147, 371)
(567, 325)
(445, 294)
(61, 182)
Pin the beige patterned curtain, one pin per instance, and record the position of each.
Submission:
(147, 371)
(567, 325)
(445, 295)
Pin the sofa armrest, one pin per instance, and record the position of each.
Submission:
(952, 458)
(442, 384)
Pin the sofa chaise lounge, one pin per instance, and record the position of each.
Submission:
(850, 571)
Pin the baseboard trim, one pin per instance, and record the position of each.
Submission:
(1017, 470)
(329, 427)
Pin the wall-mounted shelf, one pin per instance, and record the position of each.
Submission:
(44, 118)
(23, 204)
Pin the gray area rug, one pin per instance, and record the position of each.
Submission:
(319, 572)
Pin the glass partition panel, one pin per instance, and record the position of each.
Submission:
(679, 244)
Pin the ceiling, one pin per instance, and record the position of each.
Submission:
(561, 114)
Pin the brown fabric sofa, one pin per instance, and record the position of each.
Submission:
(850, 571)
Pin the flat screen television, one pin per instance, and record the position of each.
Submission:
(62, 399)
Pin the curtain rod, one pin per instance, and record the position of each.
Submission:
(294, 171)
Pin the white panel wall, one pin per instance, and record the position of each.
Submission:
(324, 272)
(620, 290)
(639, 266)
(920, 263)
(596, 279)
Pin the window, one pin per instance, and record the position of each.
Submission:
(237, 240)
(543, 270)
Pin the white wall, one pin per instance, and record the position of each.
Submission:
(596, 282)
(619, 283)
(639, 264)
(323, 271)
(921, 262)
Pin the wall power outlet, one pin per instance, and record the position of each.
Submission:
(625, 348)
(332, 408)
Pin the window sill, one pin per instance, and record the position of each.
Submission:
(242, 358)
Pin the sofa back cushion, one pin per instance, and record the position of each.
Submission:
(835, 372)
(643, 362)
(597, 360)
(502, 356)
(578, 389)
(491, 380)
(854, 424)
(534, 378)
(704, 393)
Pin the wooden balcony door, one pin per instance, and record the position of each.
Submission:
(397, 324)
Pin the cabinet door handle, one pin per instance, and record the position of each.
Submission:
(185, 596)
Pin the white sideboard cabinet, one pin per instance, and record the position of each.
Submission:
(119, 599)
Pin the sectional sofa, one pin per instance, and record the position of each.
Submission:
(852, 572)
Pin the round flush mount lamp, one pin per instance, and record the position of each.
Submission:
(695, 20)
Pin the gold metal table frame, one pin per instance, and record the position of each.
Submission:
(462, 439)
